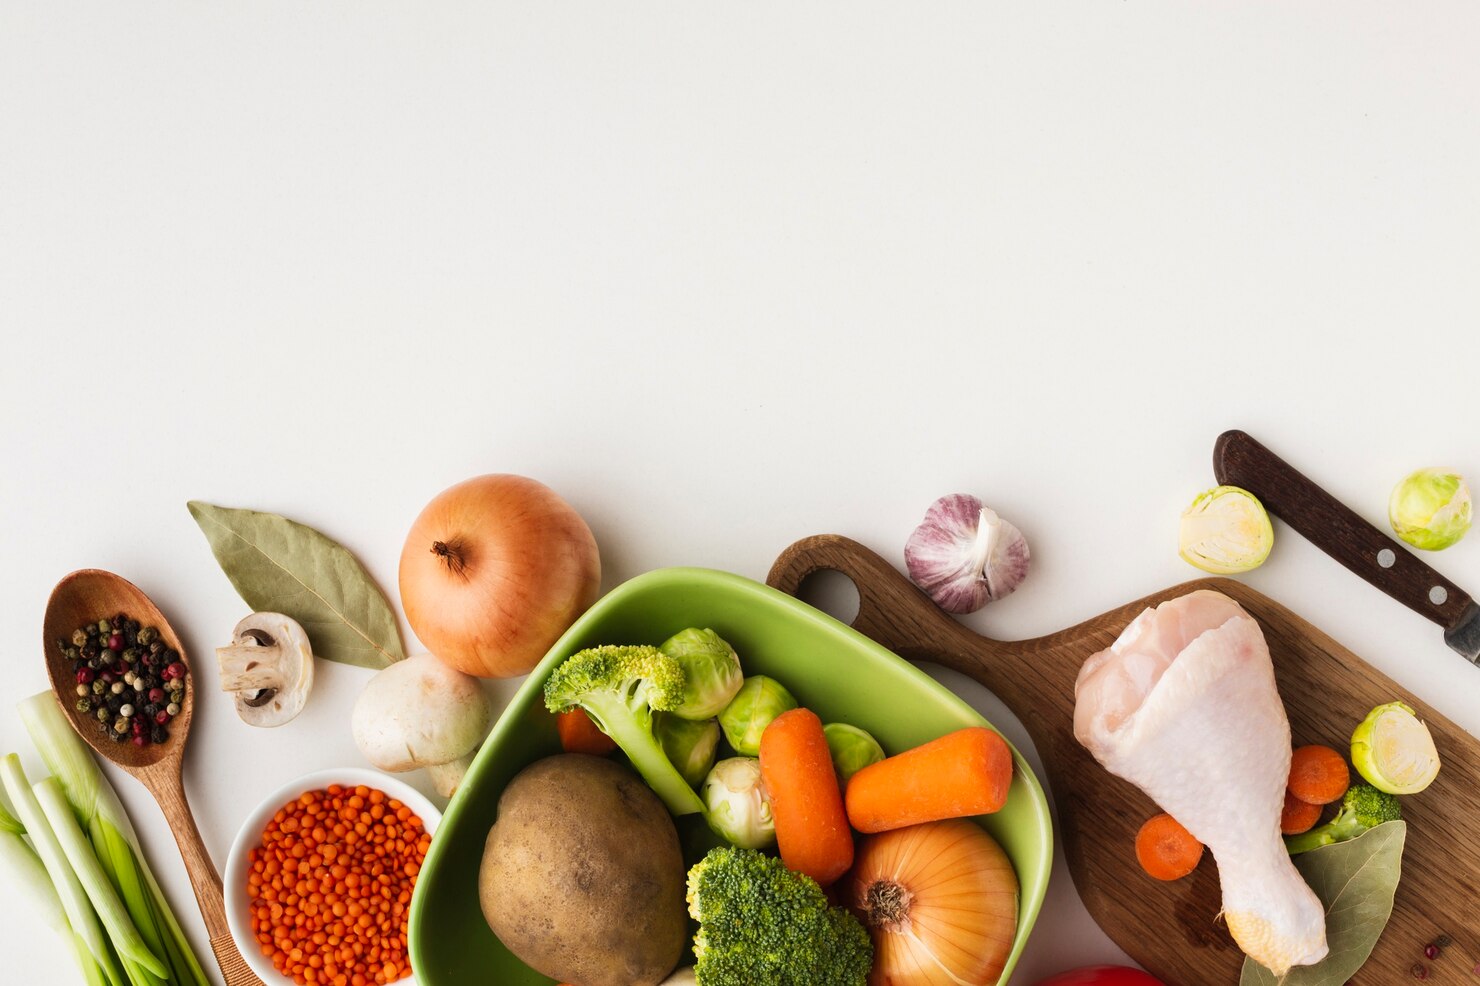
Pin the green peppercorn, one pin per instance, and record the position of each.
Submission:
(148, 635)
(130, 655)
(73, 654)
(104, 626)
(102, 715)
(84, 705)
(98, 686)
(79, 638)
(120, 725)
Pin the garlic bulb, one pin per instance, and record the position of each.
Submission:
(964, 556)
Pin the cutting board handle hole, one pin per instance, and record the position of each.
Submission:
(832, 592)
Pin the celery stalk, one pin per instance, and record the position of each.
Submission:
(105, 900)
(112, 835)
(75, 905)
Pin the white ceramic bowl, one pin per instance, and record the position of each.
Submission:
(234, 879)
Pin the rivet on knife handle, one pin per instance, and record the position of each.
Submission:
(1239, 460)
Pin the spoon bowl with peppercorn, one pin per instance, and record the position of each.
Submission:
(123, 678)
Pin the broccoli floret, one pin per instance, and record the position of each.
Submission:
(759, 922)
(620, 688)
(1363, 808)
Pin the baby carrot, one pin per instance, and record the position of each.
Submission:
(1318, 775)
(1165, 849)
(807, 807)
(1298, 816)
(578, 734)
(967, 772)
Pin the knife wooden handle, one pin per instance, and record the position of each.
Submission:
(1239, 460)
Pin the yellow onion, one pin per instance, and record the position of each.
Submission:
(494, 570)
(940, 901)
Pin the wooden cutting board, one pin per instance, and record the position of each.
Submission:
(1172, 929)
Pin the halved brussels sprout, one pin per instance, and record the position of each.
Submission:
(1226, 531)
(1394, 750)
(1431, 509)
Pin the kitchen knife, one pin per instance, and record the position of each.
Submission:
(1239, 460)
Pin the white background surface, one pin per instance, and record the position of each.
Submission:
(724, 276)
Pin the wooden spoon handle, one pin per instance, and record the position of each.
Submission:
(1239, 460)
(893, 612)
(169, 791)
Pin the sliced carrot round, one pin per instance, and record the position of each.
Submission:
(1298, 816)
(1318, 775)
(1165, 849)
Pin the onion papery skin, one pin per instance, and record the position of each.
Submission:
(959, 906)
(494, 570)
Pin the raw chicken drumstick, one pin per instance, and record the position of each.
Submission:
(1184, 706)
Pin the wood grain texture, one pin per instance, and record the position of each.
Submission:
(1173, 929)
(91, 595)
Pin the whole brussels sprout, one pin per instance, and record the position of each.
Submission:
(1431, 509)
(852, 749)
(712, 669)
(691, 745)
(759, 700)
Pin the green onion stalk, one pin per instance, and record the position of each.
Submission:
(76, 907)
(24, 870)
(101, 816)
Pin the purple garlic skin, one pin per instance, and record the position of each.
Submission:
(964, 556)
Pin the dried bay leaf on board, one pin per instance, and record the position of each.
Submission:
(279, 565)
(1356, 880)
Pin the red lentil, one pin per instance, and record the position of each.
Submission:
(331, 886)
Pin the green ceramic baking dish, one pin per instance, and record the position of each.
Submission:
(831, 668)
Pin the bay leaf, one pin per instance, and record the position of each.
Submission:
(281, 566)
(1356, 881)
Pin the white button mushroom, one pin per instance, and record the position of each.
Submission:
(421, 713)
(268, 667)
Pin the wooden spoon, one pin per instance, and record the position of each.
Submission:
(88, 596)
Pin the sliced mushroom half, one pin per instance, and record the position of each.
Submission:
(268, 667)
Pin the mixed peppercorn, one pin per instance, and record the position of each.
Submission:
(128, 679)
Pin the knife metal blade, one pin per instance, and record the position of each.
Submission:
(1464, 636)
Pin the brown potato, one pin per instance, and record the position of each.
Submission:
(582, 875)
